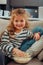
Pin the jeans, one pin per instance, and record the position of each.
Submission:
(2, 58)
(28, 42)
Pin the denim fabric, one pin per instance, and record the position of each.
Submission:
(38, 29)
(27, 43)
(2, 58)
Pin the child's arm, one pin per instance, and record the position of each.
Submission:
(7, 47)
(5, 44)
(30, 34)
(36, 36)
(18, 52)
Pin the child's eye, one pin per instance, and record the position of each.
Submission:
(21, 20)
(16, 20)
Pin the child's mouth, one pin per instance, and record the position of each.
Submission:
(19, 26)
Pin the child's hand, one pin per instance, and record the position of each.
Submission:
(37, 36)
(18, 52)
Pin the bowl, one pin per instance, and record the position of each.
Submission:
(25, 59)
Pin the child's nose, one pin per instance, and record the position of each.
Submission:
(19, 22)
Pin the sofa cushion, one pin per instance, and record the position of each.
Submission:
(40, 56)
(3, 24)
(33, 24)
(33, 61)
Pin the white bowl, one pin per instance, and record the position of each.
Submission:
(22, 59)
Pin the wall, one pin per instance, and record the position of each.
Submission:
(27, 2)
(3, 1)
(40, 12)
(21, 3)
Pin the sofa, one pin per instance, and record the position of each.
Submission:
(36, 60)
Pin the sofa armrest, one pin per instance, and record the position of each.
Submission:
(40, 56)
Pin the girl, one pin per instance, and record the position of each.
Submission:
(16, 38)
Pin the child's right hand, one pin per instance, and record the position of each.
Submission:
(37, 36)
(18, 52)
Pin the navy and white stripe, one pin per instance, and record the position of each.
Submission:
(8, 43)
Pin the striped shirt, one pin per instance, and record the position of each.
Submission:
(9, 42)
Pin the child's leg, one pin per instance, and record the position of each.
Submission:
(38, 29)
(36, 47)
(26, 44)
(2, 58)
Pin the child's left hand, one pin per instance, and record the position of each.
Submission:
(37, 36)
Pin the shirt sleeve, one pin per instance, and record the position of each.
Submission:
(5, 44)
(29, 34)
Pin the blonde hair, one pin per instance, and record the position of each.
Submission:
(14, 13)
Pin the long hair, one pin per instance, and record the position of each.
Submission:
(14, 13)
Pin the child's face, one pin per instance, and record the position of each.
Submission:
(19, 22)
